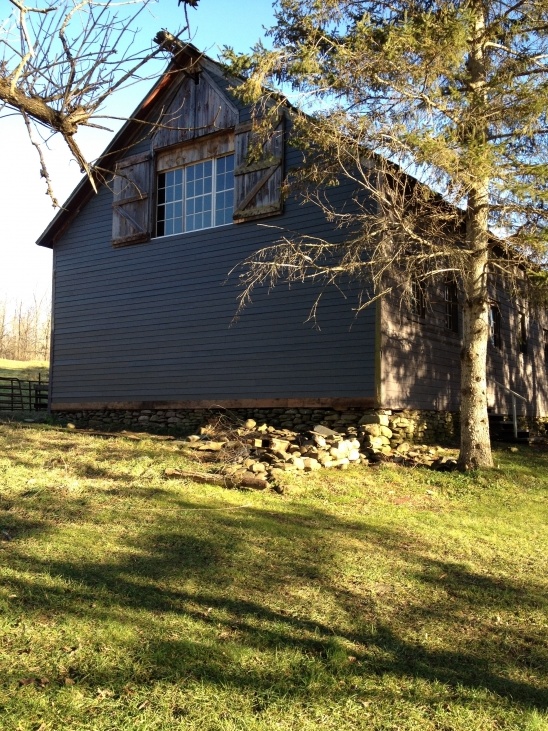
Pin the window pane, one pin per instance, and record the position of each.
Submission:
(169, 203)
(196, 196)
(224, 207)
(224, 200)
(495, 330)
(161, 188)
(451, 306)
(160, 228)
(523, 338)
(418, 298)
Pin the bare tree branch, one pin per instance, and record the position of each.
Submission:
(59, 63)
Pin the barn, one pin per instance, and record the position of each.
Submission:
(144, 327)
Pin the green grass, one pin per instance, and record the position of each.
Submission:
(25, 370)
(377, 599)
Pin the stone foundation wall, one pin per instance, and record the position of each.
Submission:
(539, 426)
(412, 426)
(424, 427)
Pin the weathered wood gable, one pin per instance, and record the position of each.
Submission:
(198, 119)
(197, 106)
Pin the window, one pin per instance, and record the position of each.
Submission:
(418, 298)
(451, 305)
(522, 333)
(195, 184)
(196, 196)
(495, 329)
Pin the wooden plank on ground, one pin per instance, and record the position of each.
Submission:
(256, 483)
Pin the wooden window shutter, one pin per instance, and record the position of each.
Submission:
(131, 207)
(258, 183)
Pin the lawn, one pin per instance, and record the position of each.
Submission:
(25, 370)
(375, 598)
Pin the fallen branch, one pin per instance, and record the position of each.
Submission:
(236, 480)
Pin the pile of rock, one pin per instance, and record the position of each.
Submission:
(250, 450)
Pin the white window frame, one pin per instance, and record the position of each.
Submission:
(210, 148)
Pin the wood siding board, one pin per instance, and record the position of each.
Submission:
(336, 403)
(213, 145)
(222, 89)
(421, 360)
(197, 338)
(151, 308)
(199, 349)
(169, 381)
(178, 119)
(196, 358)
(155, 321)
(197, 329)
(246, 342)
(151, 388)
(196, 109)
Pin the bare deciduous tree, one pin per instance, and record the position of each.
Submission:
(25, 329)
(60, 62)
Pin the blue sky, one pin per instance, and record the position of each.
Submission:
(25, 269)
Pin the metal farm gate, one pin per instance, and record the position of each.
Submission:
(20, 395)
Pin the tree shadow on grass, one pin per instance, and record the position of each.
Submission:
(35, 513)
(200, 590)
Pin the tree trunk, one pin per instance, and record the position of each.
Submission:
(475, 443)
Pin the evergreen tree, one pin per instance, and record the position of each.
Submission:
(448, 92)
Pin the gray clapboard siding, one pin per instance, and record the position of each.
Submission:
(225, 239)
(127, 336)
(153, 321)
